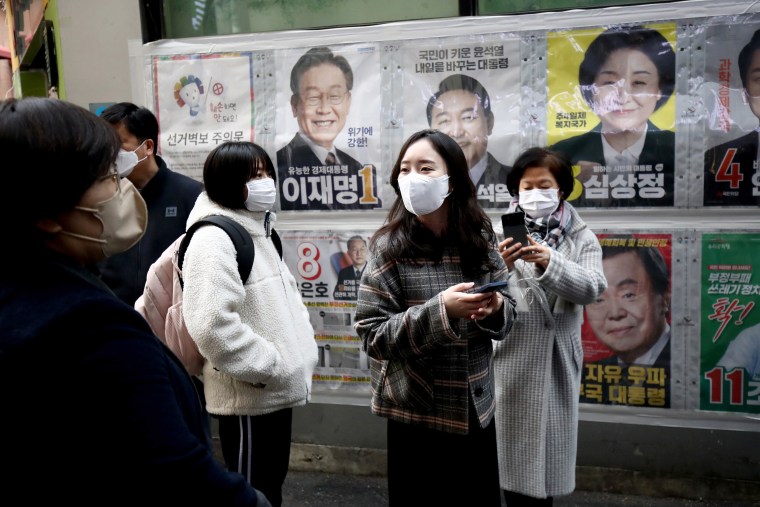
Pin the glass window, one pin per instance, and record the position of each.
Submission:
(491, 7)
(221, 17)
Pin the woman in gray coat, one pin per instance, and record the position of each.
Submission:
(538, 367)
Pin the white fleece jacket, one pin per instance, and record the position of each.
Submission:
(257, 339)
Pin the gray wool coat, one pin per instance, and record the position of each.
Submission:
(538, 367)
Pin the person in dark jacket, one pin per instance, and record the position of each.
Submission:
(169, 195)
(97, 411)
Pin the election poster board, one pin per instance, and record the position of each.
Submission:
(731, 173)
(201, 101)
(531, 72)
(626, 333)
(328, 129)
(730, 325)
(469, 90)
(611, 109)
(323, 265)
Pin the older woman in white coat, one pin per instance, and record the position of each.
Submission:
(538, 367)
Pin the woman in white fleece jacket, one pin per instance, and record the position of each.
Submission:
(257, 339)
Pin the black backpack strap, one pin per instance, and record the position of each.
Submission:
(277, 242)
(237, 233)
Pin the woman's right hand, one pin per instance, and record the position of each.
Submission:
(510, 252)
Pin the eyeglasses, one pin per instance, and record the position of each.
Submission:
(334, 98)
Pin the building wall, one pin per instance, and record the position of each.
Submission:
(94, 49)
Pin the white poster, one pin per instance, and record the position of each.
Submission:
(202, 100)
(471, 91)
(328, 267)
(328, 128)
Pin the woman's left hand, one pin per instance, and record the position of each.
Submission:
(536, 253)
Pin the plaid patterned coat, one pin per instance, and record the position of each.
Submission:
(538, 367)
(424, 365)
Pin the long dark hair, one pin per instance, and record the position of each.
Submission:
(468, 229)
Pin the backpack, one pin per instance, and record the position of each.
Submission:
(161, 301)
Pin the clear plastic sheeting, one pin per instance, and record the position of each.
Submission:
(685, 180)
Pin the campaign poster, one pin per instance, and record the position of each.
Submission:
(470, 91)
(328, 268)
(611, 109)
(732, 98)
(328, 128)
(730, 310)
(202, 100)
(626, 333)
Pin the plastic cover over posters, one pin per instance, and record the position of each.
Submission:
(730, 310)
(732, 97)
(328, 128)
(471, 91)
(328, 268)
(202, 100)
(626, 333)
(611, 109)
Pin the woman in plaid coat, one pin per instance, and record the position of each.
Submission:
(428, 339)
(538, 367)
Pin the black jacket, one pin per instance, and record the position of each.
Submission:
(169, 196)
(96, 411)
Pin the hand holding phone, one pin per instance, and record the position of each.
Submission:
(489, 287)
(514, 227)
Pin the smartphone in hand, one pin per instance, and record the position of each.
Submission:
(514, 227)
(489, 287)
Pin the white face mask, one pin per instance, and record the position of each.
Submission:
(261, 194)
(423, 194)
(539, 203)
(126, 161)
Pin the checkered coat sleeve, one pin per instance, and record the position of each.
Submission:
(424, 364)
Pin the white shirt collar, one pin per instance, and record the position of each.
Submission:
(629, 156)
(654, 351)
(318, 150)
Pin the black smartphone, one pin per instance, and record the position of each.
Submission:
(514, 227)
(489, 287)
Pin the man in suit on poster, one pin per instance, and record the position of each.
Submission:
(732, 176)
(321, 84)
(631, 317)
(461, 108)
(350, 276)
